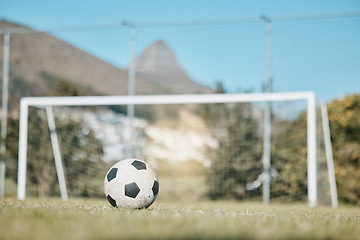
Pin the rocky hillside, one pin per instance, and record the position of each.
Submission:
(159, 64)
(38, 61)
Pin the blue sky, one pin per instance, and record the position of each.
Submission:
(48, 14)
(295, 65)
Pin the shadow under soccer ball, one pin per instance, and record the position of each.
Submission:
(131, 183)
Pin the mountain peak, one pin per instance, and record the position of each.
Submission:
(159, 63)
(158, 57)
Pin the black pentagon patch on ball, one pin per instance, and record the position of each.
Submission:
(139, 165)
(155, 188)
(112, 174)
(111, 200)
(131, 190)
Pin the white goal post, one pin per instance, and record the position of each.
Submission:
(44, 102)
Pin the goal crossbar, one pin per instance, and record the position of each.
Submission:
(26, 102)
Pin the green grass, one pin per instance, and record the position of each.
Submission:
(95, 219)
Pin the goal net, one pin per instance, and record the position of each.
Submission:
(208, 146)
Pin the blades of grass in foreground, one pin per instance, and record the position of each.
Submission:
(95, 219)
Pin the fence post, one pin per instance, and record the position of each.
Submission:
(4, 112)
(267, 117)
(131, 90)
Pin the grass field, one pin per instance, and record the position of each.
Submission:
(95, 219)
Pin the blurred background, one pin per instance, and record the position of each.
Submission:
(160, 47)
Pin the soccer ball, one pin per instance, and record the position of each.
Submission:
(131, 183)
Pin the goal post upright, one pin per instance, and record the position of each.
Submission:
(311, 150)
(26, 102)
(22, 155)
